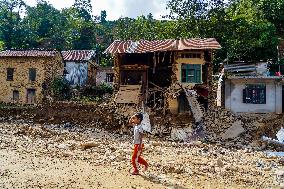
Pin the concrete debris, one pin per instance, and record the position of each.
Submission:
(280, 135)
(179, 134)
(275, 154)
(252, 127)
(273, 142)
(234, 131)
(78, 150)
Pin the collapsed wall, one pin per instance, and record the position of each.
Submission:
(241, 128)
(217, 121)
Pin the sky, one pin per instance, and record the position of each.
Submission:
(118, 8)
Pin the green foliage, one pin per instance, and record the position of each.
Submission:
(273, 11)
(45, 27)
(239, 26)
(10, 22)
(61, 89)
(246, 29)
(97, 91)
(94, 93)
(103, 16)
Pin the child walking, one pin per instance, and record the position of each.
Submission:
(135, 121)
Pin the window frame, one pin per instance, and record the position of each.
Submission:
(108, 76)
(32, 79)
(254, 93)
(10, 75)
(194, 70)
(18, 95)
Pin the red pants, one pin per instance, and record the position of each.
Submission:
(136, 157)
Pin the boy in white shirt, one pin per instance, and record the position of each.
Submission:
(135, 121)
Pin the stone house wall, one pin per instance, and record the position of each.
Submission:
(47, 68)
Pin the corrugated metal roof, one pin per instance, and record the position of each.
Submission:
(27, 53)
(78, 55)
(118, 47)
(209, 43)
(144, 46)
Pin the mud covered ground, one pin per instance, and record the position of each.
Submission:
(54, 156)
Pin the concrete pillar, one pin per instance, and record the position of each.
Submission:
(278, 98)
(227, 94)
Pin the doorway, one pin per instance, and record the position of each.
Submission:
(31, 96)
(183, 106)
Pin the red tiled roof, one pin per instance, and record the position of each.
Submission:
(27, 53)
(144, 46)
(78, 55)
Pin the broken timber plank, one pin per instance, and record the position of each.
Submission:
(194, 106)
(128, 94)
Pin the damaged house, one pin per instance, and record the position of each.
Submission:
(26, 76)
(170, 75)
(250, 88)
(79, 67)
(104, 75)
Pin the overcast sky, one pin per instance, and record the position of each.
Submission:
(118, 8)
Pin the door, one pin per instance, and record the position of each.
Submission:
(31, 96)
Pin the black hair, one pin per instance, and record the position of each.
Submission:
(139, 116)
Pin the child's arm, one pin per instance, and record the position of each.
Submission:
(140, 145)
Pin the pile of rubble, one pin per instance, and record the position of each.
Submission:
(240, 129)
(171, 163)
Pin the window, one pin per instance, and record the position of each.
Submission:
(254, 94)
(16, 96)
(109, 77)
(32, 74)
(10, 74)
(31, 96)
(191, 73)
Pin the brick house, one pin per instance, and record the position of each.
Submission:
(26, 76)
(104, 75)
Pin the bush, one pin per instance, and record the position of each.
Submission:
(61, 89)
(97, 91)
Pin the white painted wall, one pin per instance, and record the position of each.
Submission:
(234, 96)
(77, 73)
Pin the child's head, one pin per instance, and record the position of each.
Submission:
(137, 118)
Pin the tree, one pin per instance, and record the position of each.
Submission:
(238, 25)
(46, 26)
(84, 8)
(103, 16)
(273, 11)
(80, 32)
(10, 22)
